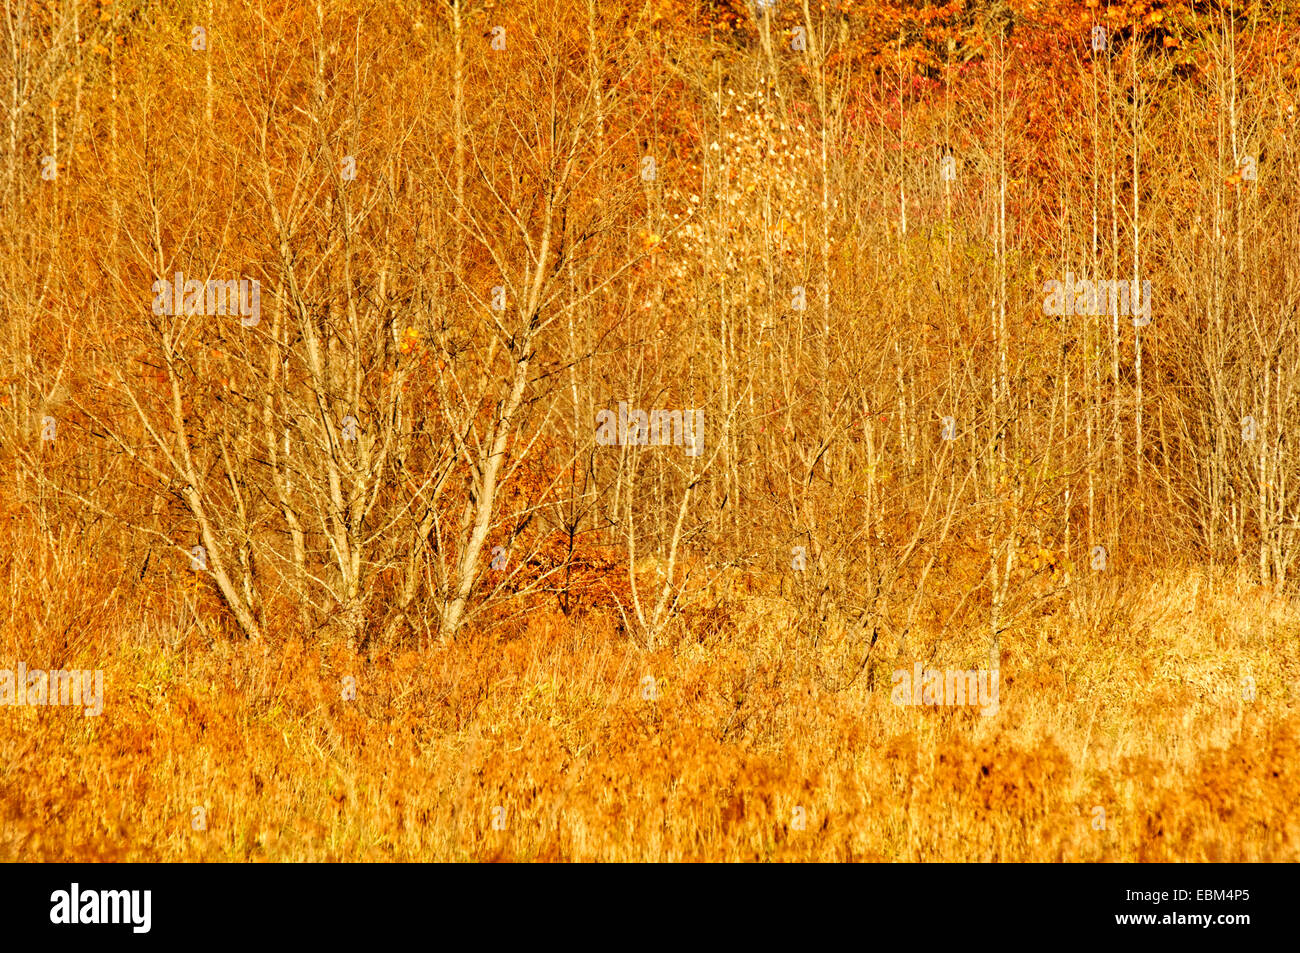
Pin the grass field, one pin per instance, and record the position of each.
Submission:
(1126, 731)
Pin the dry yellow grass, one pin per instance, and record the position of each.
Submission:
(554, 733)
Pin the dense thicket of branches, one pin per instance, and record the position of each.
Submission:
(823, 232)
